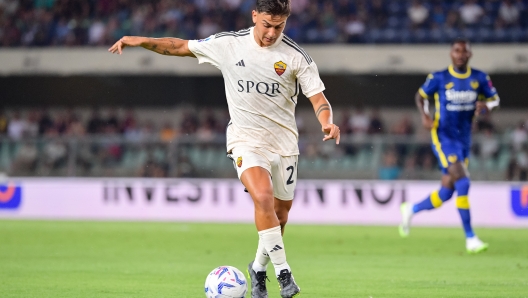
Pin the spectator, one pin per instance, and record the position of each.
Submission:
(452, 19)
(471, 12)
(518, 167)
(344, 124)
(168, 133)
(418, 14)
(62, 123)
(439, 16)
(98, 22)
(54, 151)
(404, 127)
(95, 123)
(509, 13)
(96, 33)
(4, 123)
(205, 133)
(17, 126)
(25, 159)
(354, 29)
(359, 122)
(489, 146)
(45, 122)
(519, 137)
(409, 168)
(378, 13)
(207, 28)
(132, 132)
(32, 126)
(9, 7)
(112, 147)
(522, 163)
(130, 119)
(389, 169)
(113, 121)
(299, 6)
(75, 127)
(484, 122)
(376, 124)
(189, 123)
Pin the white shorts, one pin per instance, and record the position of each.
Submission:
(283, 169)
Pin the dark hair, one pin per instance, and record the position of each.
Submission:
(274, 7)
(460, 40)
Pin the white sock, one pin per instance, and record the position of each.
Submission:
(261, 258)
(272, 240)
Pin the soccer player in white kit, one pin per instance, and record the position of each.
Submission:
(263, 72)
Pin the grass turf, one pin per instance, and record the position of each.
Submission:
(130, 259)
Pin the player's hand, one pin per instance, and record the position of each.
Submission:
(125, 41)
(481, 108)
(331, 131)
(427, 122)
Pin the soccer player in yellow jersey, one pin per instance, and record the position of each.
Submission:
(460, 92)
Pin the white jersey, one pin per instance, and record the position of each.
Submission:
(261, 85)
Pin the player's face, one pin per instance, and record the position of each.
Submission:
(460, 54)
(268, 28)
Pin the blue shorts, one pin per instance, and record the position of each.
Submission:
(449, 152)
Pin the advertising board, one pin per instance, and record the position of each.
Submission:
(219, 200)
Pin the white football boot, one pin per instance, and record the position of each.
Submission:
(406, 213)
(474, 245)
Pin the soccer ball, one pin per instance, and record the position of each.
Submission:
(225, 282)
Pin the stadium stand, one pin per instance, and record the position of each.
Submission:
(187, 142)
(101, 22)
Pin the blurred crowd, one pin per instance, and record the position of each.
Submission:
(102, 22)
(114, 132)
(16, 125)
(403, 151)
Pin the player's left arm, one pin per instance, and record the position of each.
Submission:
(490, 96)
(323, 112)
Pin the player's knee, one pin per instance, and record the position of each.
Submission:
(263, 201)
(456, 171)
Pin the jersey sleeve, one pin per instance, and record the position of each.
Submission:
(209, 50)
(430, 87)
(488, 92)
(308, 76)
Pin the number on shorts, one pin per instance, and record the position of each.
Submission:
(292, 169)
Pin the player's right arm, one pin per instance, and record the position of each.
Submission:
(165, 46)
(427, 121)
(424, 93)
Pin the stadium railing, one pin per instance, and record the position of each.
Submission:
(357, 157)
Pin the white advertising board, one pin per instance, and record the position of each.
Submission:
(217, 200)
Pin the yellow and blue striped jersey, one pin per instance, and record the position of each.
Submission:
(455, 97)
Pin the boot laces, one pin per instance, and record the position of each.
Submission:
(261, 280)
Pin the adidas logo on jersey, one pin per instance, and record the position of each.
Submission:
(276, 248)
(241, 63)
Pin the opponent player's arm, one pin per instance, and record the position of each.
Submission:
(492, 99)
(419, 99)
(165, 46)
(323, 112)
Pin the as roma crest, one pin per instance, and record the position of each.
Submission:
(280, 67)
(239, 161)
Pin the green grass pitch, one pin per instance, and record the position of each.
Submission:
(135, 259)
